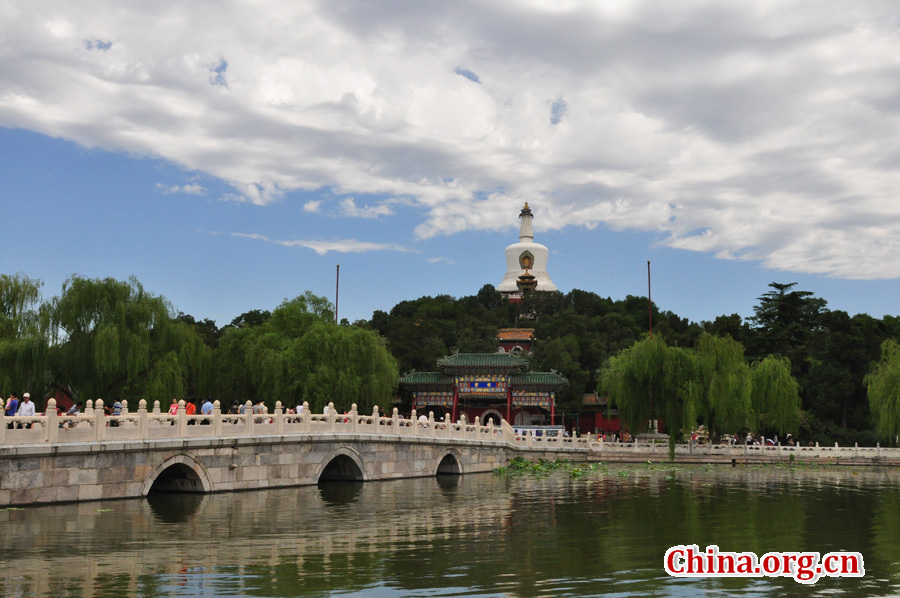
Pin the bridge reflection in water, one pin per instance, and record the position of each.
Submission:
(479, 535)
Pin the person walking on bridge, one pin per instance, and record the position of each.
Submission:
(12, 407)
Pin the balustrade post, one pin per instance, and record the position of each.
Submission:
(124, 403)
(2, 424)
(89, 408)
(332, 417)
(279, 418)
(99, 420)
(143, 424)
(156, 410)
(414, 422)
(304, 418)
(182, 419)
(217, 419)
(462, 426)
(354, 416)
(250, 421)
(878, 449)
(430, 431)
(395, 421)
(51, 434)
(376, 420)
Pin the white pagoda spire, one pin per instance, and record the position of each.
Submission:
(526, 232)
(526, 258)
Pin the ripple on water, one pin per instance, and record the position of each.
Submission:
(603, 533)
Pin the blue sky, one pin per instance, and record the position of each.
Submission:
(228, 167)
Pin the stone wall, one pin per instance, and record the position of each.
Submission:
(107, 470)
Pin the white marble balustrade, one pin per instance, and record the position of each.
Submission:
(94, 425)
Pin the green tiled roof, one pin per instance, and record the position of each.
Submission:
(413, 378)
(494, 360)
(538, 379)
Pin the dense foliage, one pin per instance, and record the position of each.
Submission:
(827, 353)
(111, 339)
(107, 338)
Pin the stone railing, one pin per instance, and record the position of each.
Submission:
(529, 439)
(801, 453)
(94, 425)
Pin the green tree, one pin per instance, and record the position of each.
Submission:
(784, 320)
(776, 396)
(300, 354)
(724, 384)
(113, 339)
(883, 384)
(23, 347)
(651, 380)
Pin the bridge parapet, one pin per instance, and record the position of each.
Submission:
(95, 425)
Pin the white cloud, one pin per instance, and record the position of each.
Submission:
(763, 131)
(323, 247)
(349, 208)
(191, 189)
(312, 206)
(441, 260)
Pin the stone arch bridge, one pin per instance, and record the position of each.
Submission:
(92, 456)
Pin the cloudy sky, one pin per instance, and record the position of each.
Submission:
(230, 154)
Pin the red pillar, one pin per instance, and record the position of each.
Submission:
(508, 402)
(453, 414)
(552, 410)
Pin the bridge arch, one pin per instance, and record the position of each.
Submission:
(449, 462)
(342, 464)
(180, 473)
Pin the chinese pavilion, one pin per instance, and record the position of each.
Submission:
(515, 339)
(485, 386)
(526, 263)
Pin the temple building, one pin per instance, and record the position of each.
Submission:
(515, 339)
(485, 386)
(526, 263)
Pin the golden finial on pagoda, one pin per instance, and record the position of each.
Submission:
(526, 206)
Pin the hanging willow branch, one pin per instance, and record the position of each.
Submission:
(883, 384)
(113, 339)
(724, 384)
(776, 394)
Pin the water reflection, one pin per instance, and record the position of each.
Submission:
(475, 535)
(340, 493)
(174, 508)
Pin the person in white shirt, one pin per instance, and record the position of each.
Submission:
(26, 407)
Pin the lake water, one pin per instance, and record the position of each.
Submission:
(604, 532)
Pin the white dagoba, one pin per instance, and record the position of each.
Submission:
(526, 255)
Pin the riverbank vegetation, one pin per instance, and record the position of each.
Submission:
(108, 338)
(112, 339)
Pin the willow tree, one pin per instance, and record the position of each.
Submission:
(883, 386)
(111, 338)
(651, 380)
(23, 347)
(347, 365)
(776, 395)
(300, 354)
(724, 384)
